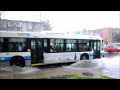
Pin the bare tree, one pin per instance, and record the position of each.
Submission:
(117, 37)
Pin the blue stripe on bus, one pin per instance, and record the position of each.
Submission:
(8, 58)
(91, 54)
(27, 57)
(5, 58)
(101, 54)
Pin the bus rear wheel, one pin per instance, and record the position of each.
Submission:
(84, 57)
(18, 61)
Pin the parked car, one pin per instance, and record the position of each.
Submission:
(110, 48)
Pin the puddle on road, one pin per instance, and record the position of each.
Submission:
(29, 69)
(18, 69)
(109, 65)
(9, 69)
(111, 74)
(88, 64)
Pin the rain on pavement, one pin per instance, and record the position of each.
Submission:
(108, 66)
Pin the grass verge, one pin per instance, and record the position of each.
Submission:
(72, 76)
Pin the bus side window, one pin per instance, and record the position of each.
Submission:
(45, 49)
(20, 47)
(24, 47)
(51, 49)
(1, 47)
(11, 48)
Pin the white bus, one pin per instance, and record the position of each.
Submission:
(31, 49)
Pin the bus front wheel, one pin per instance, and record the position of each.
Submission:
(18, 61)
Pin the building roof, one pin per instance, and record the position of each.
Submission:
(20, 21)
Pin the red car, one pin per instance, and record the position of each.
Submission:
(111, 49)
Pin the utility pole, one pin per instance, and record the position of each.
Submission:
(40, 21)
(0, 18)
(0, 15)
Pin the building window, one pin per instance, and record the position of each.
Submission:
(10, 24)
(30, 26)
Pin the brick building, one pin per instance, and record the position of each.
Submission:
(106, 33)
(114, 32)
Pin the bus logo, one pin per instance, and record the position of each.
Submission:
(28, 34)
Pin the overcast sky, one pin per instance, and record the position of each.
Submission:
(69, 20)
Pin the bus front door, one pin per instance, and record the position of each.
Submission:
(96, 49)
(36, 52)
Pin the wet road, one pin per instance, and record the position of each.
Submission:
(109, 66)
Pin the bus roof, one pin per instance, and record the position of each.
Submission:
(47, 35)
